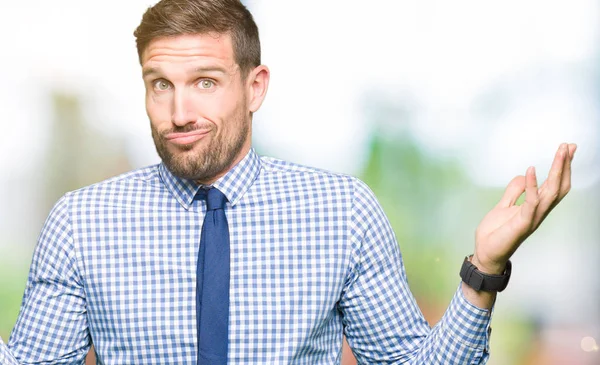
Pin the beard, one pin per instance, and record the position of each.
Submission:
(203, 163)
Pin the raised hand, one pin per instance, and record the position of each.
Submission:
(507, 225)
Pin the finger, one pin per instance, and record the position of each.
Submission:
(529, 207)
(572, 149)
(513, 191)
(565, 184)
(542, 188)
(552, 183)
(549, 196)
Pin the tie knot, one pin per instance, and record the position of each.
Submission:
(215, 199)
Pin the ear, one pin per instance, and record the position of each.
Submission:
(257, 84)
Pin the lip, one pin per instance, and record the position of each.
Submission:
(186, 138)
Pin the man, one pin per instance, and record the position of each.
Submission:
(218, 256)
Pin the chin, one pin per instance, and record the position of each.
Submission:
(179, 148)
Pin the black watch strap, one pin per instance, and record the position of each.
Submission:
(480, 281)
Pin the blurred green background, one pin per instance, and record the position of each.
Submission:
(435, 106)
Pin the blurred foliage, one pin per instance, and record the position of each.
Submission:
(78, 155)
(13, 275)
(411, 188)
(431, 203)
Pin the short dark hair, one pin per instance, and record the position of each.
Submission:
(170, 18)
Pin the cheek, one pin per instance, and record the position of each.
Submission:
(213, 108)
(230, 105)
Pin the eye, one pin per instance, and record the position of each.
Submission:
(161, 85)
(206, 84)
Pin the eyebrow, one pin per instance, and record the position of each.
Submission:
(211, 69)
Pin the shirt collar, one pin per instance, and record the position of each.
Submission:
(233, 184)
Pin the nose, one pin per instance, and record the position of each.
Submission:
(182, 109)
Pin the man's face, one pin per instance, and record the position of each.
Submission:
(198, 104)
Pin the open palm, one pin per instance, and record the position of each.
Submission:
(507, 225)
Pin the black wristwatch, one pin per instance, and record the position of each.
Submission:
(480, 281)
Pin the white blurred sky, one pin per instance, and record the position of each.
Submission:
(327, 58)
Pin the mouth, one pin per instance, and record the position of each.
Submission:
(187, 138)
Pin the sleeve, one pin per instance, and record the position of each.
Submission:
(6, 357)
(382, 321)
(52, 324)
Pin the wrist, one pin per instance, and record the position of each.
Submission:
(484, 281)
(487, 267)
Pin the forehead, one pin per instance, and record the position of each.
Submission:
(190, 48)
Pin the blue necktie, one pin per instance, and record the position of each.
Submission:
(212, 286)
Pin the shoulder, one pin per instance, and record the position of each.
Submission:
(291, 175)
(273, 168)
(126, 184)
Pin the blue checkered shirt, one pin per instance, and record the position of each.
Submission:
(313, 257)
